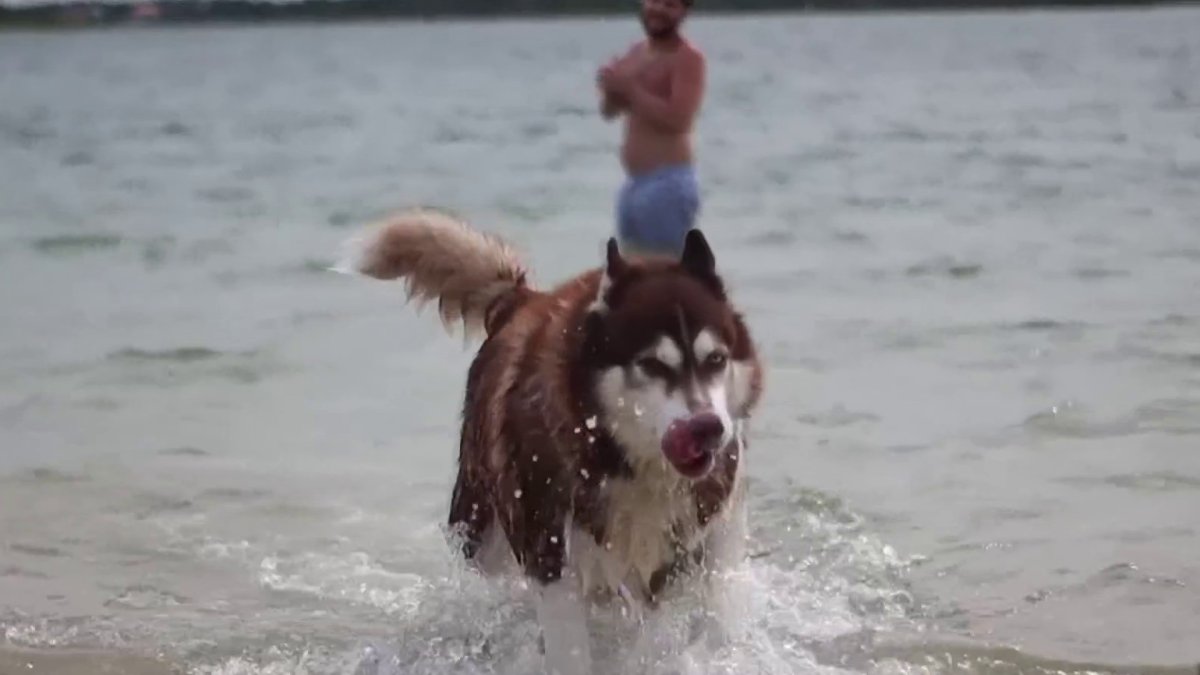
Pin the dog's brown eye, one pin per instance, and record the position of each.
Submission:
(715, 361)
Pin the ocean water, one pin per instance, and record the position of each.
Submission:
(968, 245)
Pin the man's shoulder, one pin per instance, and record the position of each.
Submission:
(689, 55)
(690, 52)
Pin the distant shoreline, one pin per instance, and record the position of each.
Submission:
(80, 662)
(248, 12)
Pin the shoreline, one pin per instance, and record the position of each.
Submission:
(50, 17)
(17, 660)
(72, 661)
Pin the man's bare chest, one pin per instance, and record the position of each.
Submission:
(654, 72)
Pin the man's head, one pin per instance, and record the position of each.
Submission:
(661, 18)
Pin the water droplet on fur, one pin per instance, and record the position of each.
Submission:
(577, 430)
(535, 458)
(637, 410)
(591, 422)
(518, 494)
(584, 473)
(553, 539)
(608, 545)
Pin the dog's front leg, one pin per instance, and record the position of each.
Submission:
(562, 614)
(724, 556)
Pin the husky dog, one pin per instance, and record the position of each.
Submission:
(603, 423)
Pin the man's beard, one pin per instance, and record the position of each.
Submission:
(661, 32)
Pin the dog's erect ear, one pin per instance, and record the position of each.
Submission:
(698, 260)
(697, 257)
(614, 265)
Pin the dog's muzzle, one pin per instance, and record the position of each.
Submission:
(692, 443)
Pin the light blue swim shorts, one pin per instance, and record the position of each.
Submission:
(656, 209)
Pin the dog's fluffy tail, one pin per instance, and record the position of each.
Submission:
(440, 257)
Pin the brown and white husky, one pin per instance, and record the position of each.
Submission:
(603, 428)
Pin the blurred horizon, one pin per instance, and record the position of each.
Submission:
(77, 12)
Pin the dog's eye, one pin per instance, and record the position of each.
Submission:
(715, 361)
(654, 367)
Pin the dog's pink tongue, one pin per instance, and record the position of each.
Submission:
(679, 445)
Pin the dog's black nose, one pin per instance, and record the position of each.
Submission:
(706, 429)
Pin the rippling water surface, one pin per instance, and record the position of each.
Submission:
(968, 244)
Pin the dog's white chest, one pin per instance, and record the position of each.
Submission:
(645, 529)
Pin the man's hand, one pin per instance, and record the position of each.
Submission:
(611, 106)
(602, 71)
(617, 79)
(612, 103)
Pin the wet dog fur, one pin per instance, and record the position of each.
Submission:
(603, 426)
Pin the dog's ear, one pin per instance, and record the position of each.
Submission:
(697, 257)
(614, 264)
(698, 260)
(614, 267)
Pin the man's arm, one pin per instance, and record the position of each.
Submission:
(675, 113)
(611, 106)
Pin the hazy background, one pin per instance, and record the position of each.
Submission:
(967, 243)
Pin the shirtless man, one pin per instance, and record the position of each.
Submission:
(658, 84)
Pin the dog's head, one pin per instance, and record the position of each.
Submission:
(676, 369)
